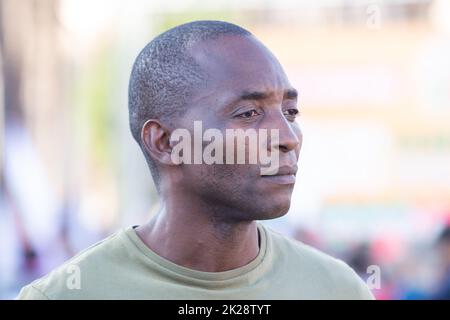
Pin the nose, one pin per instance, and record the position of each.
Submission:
(289, 134)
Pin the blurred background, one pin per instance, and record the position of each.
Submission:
(374, 79)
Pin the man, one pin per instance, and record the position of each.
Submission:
(205, 242)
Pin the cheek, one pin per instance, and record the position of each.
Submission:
(236, 181)
(217, 176)
(231, 174)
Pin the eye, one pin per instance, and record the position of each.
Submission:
(291, 113)
(248, 114)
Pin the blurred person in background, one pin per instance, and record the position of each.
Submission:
(443, 247)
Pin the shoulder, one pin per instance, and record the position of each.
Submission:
(323, 269)
(81, 272)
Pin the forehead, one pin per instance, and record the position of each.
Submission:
(234, 64)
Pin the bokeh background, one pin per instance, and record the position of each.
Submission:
(374, 80)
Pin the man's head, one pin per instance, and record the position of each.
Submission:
(217, 73)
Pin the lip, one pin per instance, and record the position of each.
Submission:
(280, 179)
(285, 175)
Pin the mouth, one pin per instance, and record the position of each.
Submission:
(285, 175)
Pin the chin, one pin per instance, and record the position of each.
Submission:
(274, 210)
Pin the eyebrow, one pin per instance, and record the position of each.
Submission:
(291, 94)
(258, 95)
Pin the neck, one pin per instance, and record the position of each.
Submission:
(195, 235)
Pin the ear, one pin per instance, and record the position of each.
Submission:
(155, 138)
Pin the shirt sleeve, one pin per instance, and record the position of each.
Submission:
(31, 293)
(350, 285)
(363, 291)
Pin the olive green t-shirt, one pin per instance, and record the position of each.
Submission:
(123, 267)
